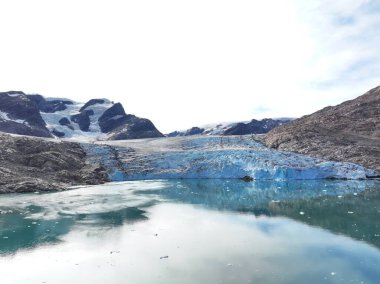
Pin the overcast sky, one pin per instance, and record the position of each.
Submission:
(187, 63)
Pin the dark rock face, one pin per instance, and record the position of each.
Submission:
(189, 132)
(254, 127)
(194, 131)
(122, 126)
(349, 132)
(21, 116)
(174, 134)
(90, 103)
(112, 118)
(241, 128)
(30, 164)
(83, 119)
(135, 128)
(66, 122)
(58, 133)
(49, 106)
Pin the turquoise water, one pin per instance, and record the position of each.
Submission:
(194, 231)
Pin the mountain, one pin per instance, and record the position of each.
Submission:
(347, 132)
(238, 128)
(99, 119)
(19, 115)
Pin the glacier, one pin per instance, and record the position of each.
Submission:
(212, 157)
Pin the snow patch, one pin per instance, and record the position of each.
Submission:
(4, 116)
(14, 95)
(94, 133)
(116, 117)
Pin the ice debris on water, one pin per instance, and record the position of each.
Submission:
(302, 213)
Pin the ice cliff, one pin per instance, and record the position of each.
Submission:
(212, 157)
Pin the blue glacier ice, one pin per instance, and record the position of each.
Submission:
(213, 157)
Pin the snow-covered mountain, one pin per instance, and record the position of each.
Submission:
(98, 119)
(233, 128)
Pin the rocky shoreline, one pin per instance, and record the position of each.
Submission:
(35, 164)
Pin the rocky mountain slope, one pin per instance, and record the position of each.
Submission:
(98, 119)
(19, 115)
(346, 132)
(238, 128)
(29, 164)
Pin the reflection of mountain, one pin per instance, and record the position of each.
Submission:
(353, 216)
(20, 231)
(237, 195)
(28, 221)
(113, 218)
(326, 204)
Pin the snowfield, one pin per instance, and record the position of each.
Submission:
(94, 133)
(212, 157)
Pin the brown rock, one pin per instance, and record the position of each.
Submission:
(34, 164)
(349, 132)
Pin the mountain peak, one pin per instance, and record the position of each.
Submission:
(36, 115)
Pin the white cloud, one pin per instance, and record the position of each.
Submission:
(186, 63)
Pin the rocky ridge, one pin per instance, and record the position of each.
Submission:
(348, 132)
(239, 128)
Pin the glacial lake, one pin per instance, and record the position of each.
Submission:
(194, 231)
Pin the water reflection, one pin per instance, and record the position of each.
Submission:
(19, 232)
(356, 216)
(31, 220)
(213, 231)
(351, 208)
(34, 220)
